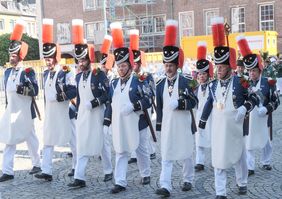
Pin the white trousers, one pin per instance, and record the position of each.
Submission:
(106, 153)
(106, 160)
(200, 155)
(265, 156)
(47, 156)
(187, 171)
(151, 143)
(10, 150)
(143, 161)
(73, 143)
(241, 172)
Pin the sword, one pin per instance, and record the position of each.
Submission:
(33, 98)
(147, 117)
(193, 124)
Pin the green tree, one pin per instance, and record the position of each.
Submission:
(33, 48)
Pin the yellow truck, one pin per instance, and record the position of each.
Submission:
(258, 41)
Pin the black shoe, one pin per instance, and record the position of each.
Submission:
(199, 167)
(117, 188)
(220, 197)
(146, 180)
(132, 160)
(77, 184)
(187, 186)
(6, 177)
(69, 154)
(35, 170)
(251, 172)
(243, 190)
(44, 176)
(71, 173)
(267, 167)
(163, 192)
(108, 177)
(153, 156)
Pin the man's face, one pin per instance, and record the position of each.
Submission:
(222, 71)
(240, 69)
(84, 64)
(124, 69)
(50, 63)
(14, 59)
(202, 77)
(136, 67)
(170, 69)
(254, 74)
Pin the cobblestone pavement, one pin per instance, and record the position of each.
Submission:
(264, 184)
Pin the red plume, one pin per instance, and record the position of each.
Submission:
(117, 34)
(58, 53)
(91, 53)
(232, 58)
(170, 33)
(210, 69)
(134, 39)
(131, 57)
(202, 50)
(47, 31)
(18, 30)
(23, 51)
(105, 48)
(180, 58)
(260, 63)
(243, 45)
(218, 31)
(110, 61)
(77, 31)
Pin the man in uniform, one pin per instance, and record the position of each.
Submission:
(204, 74)
(137, 69)
(59, 89)
(175, 101)
(92, 94)
(227, 104)
(17, 122)
(258, 137)
(129, 97)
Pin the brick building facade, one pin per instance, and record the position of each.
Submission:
(149, 16)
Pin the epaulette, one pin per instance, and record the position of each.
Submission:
(66, 68)
(96, 71)
(187, 76)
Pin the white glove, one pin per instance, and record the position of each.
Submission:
(241, 112)
(262, 111)
(106, 130)
(173, 104)
(88, 106)
(51, 98)
(127, 109)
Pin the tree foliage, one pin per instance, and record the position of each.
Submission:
(33, 48)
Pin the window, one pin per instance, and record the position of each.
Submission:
(186, 23)
(238, 19)
(12, 24)
(266, 17)
(154, 24)
(63, 33)
(92, 27)
(2, 24)
(159, 23)
(92, 4)
(147, 25)
(209, 14)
